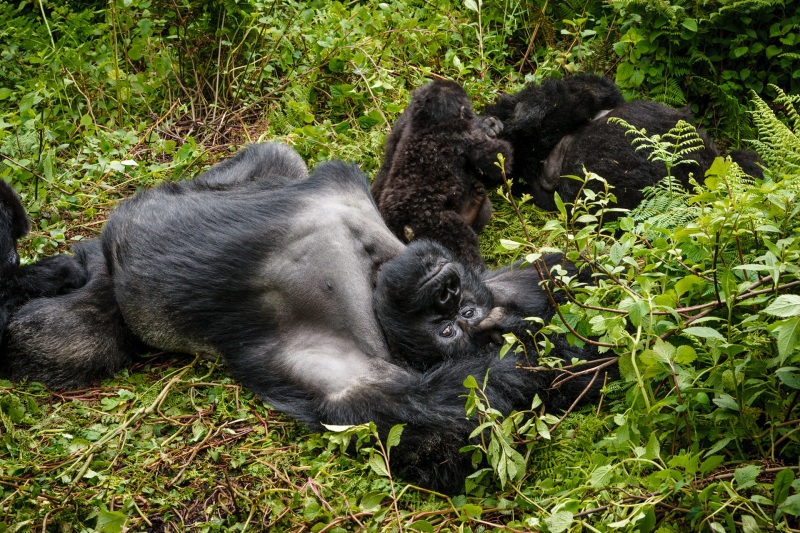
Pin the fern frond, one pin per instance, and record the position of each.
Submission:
(671, 148)
(665, 205)
(778, 141)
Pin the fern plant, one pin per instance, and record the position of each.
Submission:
(778, 142)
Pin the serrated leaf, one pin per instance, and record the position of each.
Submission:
(653, 448)
(559, 521)
(785, 305)
(470, 382)
(600, 476)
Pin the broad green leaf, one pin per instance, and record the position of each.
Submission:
(746, 476)
(690, 24)
(788, 376)
(471, 5)
(788, 337)
(785, 305)
(703, 332)
(782, 485)
(423, 526)
(394, 436)
(111, 521)
(749, 524)
(371, 502)
(559, 521)
(378, 465)
(791, 505)
(726, 402)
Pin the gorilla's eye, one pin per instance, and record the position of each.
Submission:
(448, 331)
(468, 312)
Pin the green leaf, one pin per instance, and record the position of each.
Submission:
(782, 485)
(371, 502)
(791, 505)
(111, 521)
(726, 401)
(785, 305)
(470, 382)
(423, 526)
(746, 476)
(690, 24)
(559, 521)
(653, 448)
(749, 524)
(788, 337)
(378, 465)
(472, 510)
(703, 332)
(394, 436)
(471, 5)
(788, 377)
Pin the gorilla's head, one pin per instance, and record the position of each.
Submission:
(430, 307)
(439, 102)
(13, 225)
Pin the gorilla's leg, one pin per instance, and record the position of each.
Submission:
(75, 339)
(268, 161)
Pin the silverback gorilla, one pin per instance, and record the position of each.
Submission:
(276, 271)
(560, 127)
(438, 157)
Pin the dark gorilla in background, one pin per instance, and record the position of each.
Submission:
(276, 271)
(18, 284)
(560, 127)
(438, 157)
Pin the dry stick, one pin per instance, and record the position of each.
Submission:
(136, 416)
(533, 37)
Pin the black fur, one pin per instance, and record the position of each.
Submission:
(75, 339)
(276, 273)
(561, 128)
(438, 157)
(18, 284)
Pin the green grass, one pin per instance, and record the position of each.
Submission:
(701, 434)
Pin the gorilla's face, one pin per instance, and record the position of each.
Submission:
(430, 307)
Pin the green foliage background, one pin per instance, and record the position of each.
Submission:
(99, 100)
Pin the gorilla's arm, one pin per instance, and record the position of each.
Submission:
(71, 340)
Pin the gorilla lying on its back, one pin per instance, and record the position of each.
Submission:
(276, 271)
(560, 127)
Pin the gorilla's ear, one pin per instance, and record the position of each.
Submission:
(9, 201)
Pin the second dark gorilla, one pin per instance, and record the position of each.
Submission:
(276, 271)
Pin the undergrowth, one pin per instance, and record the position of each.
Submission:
(98, 101)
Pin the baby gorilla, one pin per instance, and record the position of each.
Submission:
(438, 158)
(431, 308)
(19, 284)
